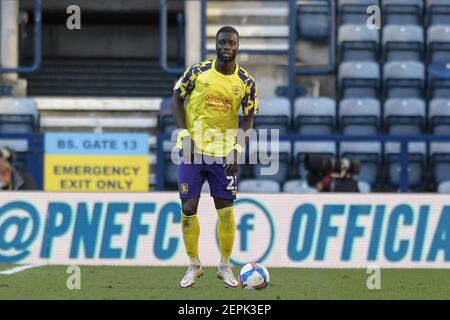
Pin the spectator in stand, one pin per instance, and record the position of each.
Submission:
(13, 178)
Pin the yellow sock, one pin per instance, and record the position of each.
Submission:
(226, 230)
(191, 233)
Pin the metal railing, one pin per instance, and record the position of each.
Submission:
(37, 44)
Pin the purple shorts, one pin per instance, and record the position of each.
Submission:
(191, 177)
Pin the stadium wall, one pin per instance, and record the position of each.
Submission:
(279, 230)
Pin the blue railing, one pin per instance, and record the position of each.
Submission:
(37, 43)
(163, 25)
(34, 154)
(403, 140)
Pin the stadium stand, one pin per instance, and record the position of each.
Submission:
(259, 186)
(394, 81)
(438, 12)
(298, 186)
(315, 115)
(266, 157)
(360, 116)
(404, 116)
(440, 161)
(403, 43)
(439, 116)
(444, 187)
(402, 12)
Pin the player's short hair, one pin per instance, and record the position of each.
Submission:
(227, 29)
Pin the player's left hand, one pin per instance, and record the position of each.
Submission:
(231, 163)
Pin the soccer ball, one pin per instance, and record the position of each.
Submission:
(254, 276)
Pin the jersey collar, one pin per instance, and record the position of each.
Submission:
(236, 68)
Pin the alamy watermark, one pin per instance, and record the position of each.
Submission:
(74, 20)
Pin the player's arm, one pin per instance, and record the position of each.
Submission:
(250, 107)
(182, 90)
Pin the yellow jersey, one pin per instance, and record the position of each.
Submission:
(212, 104)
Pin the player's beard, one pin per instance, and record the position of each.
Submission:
(227, 60)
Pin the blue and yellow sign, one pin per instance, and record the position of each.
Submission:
(89, 162)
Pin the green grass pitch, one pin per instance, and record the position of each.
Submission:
(161, 283)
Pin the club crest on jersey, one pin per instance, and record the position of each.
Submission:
(184, 188)
(237, 90)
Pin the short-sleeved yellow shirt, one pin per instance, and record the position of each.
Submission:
(212, 103)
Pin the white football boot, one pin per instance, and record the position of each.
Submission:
(192, 273)
(226, 274)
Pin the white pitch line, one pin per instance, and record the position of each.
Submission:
(18, 269)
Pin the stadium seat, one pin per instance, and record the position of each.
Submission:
(369, 153)
(358, 43)
(313, 20)
(404, 79)
(359, 79)
(438, 42)
(315, 115)
(440, 161)
(170, 168)
(364, 187)
(298, 186)
(439, 116)
(259, 186)
(404, 116)
(273, 113)
(302, 148)
(18, 115)
(439, 80)
(444, 187)
(354, 11)
(402, 12)
(359, 116)
(403, 43)
(166, 121)
(20, 147)
(263, 157)
(438, 12)
(416, 163)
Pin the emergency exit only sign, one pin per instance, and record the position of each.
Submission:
(91, 162)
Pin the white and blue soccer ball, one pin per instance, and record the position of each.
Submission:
(254, 276)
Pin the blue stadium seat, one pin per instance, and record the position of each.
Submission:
(166, 121)
(364, 187)
(301, 149)
(18, 115)
(417, 152)
(404, 79)
(358, 43)
(359, 116)
(264, 157)
(298, 186)
(315, 115)
(403, 43)
(438, 42)
(440, 161)
(354, 11)
(369, 153)
(438, 12)
(444, 187)
(273, 113)
(259, 186)
(402, 12)
(404, 116)
(313, 20)
(21, 149)
(439, 116)
(439, 80)
(359, 79)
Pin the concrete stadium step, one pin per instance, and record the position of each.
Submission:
(100, 77)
